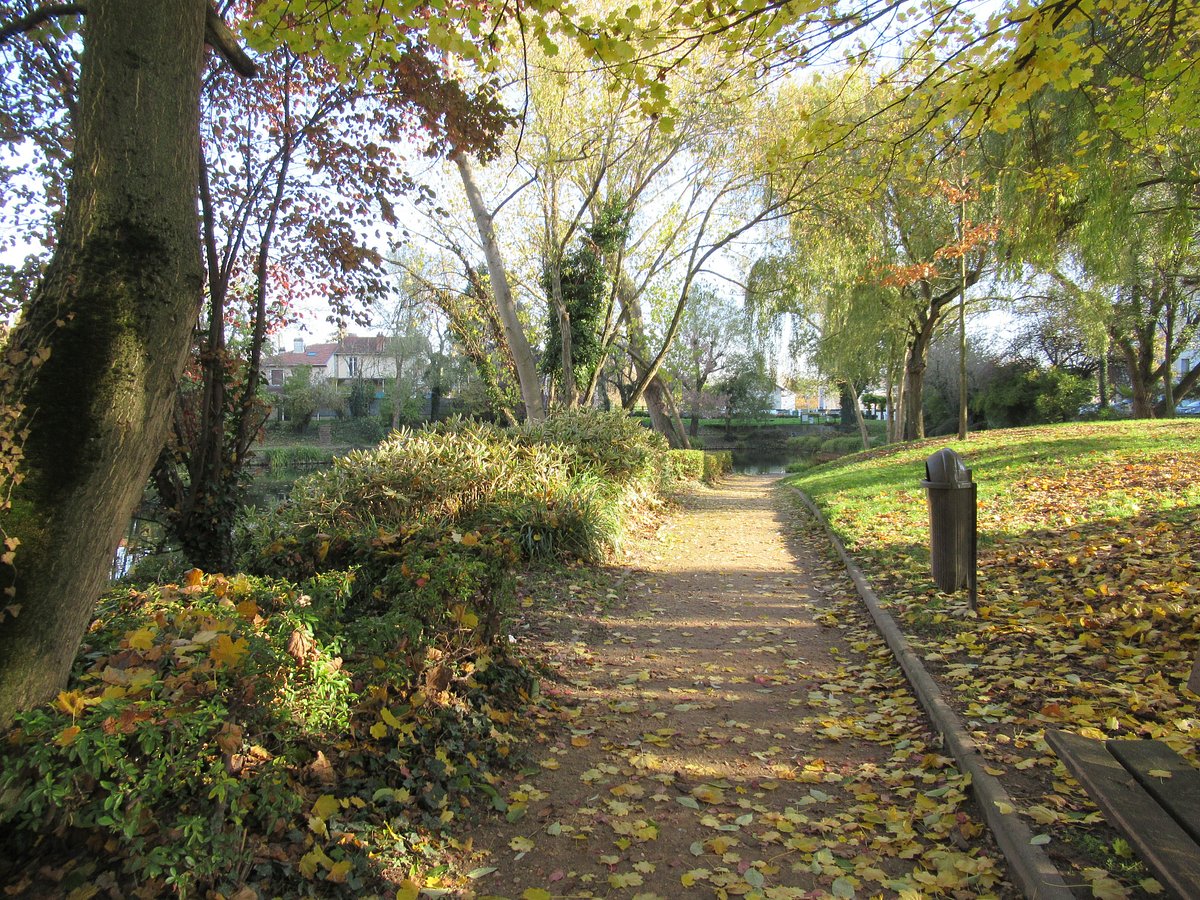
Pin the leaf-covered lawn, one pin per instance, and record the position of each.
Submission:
(1089, 601)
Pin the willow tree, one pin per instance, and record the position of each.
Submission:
(1109, 190)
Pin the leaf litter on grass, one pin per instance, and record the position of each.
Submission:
(708, 738)
(1089, 601)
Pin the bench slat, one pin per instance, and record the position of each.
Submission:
(1179, 794)
(1166, 848)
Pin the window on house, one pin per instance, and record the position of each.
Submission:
(352, 366)
(277, 376)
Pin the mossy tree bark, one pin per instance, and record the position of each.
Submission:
(115, 308)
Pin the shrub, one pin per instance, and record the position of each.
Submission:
(578, 519)
(717, 464)
(683, 465)
(611, 444)
(1033, 397)
(198, 712)
(842, 445)
(411, 481)
(805, 444)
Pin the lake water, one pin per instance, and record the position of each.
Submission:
(751, 462)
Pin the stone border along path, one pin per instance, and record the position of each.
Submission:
(732, 725)
(1032, 869)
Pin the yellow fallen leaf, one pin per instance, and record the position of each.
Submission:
(624, 880)
(311, 860)
(708, 794)
(67, 736)
(408, 890)
(536, 894)
(325, 806)
(70, 702)
(228, 652)
(1159, 773)
(338, 871)
(521, 844)
(142, 639)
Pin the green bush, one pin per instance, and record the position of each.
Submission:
(717, 464)
(1033, 397)
(683, 465)
(142, 747)
(613, 445)
(186, 737)
(413, 480)
(553, 489)
(805, 444)
(842, 445)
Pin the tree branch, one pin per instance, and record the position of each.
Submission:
(32, 20)
(219, 36)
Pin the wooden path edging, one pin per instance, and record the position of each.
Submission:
(1035, 874)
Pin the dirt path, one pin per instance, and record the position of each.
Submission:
(732, 727)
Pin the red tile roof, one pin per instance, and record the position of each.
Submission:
(320, 354)
(313, 355)
(368, 345)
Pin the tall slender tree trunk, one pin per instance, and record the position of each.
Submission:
(656, 393)
(853, 391)
(673, 414)
(531, 390)
(914, 380)
(900, 408)
(698, 380)
(116, 309)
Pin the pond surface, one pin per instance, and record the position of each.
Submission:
(758, 462)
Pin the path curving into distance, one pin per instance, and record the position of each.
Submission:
(731, 724)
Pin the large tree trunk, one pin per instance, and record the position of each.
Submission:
(116, 309)
(673, 413)
(1137, 362)
(531, 391)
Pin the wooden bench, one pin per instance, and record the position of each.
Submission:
(1158, 813)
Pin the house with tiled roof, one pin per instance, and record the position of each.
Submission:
(351, 356)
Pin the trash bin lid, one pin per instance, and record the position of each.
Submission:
(945, 469)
